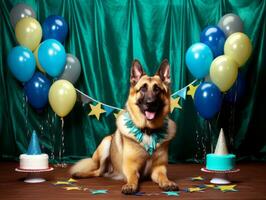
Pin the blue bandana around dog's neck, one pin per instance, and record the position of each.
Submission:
(156, 137)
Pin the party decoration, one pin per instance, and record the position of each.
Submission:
(237, 91)
(62, 97)
(198, 60)
(226, 188)
(181, 93)
(230, 23)
(175, 103)
(194, 189)
(37, 60)
(192, 90)
(21, 63)
(94, 192)
(208, 100)
(72, 188)
(20, 11)
(62, 183)
(223, 72)
(37, 89)
(238, 47)
(96, 110)
(172, 193)
(28, 32)
(72, 69)
(108, 110)
(34, 146)
(197, 178)
(214, 38)
(52, 57)
(55, 27)
(71, 180)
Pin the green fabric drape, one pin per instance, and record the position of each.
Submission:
(106, 36)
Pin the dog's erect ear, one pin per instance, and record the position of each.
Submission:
(164, 71)
(136, 72)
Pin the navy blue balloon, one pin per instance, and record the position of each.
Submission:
(208, 100)
(37, 89)
(237, 91)
(215, 38)
(55, 27)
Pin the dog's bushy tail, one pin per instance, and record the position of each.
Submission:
(95, 166)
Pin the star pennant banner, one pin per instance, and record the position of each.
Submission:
(97, 108)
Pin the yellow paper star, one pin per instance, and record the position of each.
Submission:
(71, 180)
(209, 186)
(175, 103)
(72, 188)
(227, 188)
(197, 178)
(195, 189)
(192, 90)
(96, 110)
(62, 183)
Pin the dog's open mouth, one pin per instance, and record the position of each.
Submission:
(150, 115)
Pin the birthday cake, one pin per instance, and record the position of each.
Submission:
(34, 159)
(220, 160)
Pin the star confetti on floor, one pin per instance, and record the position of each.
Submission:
(72, 188)
(62, 183)
(226, 188)
(94, 192)
(194, 189)
(197, 178)
(171, 193)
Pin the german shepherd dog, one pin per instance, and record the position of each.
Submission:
(139, 146)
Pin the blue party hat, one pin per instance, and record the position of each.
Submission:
(34, 147)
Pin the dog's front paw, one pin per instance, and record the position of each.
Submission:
(169, 186)
(129, 189)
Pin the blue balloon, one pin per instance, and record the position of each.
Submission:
(55, 27)
(215, 38)
(21, 63)
(208, 100)
(237, 91)
(198, 60)
(37, 89)
(52, 57)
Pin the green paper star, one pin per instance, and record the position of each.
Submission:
(171, 193)
(99, 192)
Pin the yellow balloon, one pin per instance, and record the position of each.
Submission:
(37, 60)
(223, 72)
(28, 32)
(238, 47)
(62, 97)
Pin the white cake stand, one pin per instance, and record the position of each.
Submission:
(33, 175)
(220, 177)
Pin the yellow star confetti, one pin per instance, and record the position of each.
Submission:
(62, 183)
(175, 103)
(197, 178)
(192, 90)
(209, 186)
(195, 189)
(72, 188)
(226, 188)
(71, 180)
(96, 110)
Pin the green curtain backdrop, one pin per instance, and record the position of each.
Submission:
(106, 35)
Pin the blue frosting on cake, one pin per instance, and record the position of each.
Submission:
(220, 162)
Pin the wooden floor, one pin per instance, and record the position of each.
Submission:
(251, 184)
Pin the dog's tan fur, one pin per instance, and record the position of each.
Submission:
(120, 156)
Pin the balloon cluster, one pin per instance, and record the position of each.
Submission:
(222, 50)
(49, 56)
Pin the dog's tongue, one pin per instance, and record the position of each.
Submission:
(150, 115)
